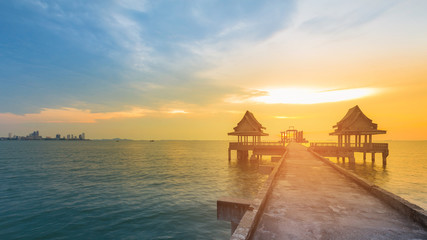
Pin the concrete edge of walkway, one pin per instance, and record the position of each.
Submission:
(415, 212)
(250, 219)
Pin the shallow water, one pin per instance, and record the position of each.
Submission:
(405, 173)
(118, 190)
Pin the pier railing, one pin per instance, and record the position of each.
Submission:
(351, 146)
(236, 144)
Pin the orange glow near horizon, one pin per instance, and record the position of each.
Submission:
(310, 95)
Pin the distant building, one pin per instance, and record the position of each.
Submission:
(10, 135)
(82, 136)
(34, 136)
(58, 136)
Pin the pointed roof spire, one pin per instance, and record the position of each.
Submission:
(356, 122)
(248, 126)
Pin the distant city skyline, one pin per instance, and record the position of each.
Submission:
(190, 69)
(35, 135)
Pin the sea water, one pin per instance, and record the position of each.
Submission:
(405, 173)
(150, 190)
(118, 190)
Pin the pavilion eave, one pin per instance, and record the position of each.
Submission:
(358, 132)
(247, 134)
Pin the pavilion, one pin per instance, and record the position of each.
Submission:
(248, 127)
(354, 133)
(249, 132)
(354, 125)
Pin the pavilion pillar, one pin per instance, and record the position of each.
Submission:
(384, 159)
(351, 158)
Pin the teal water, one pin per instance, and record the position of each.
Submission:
(118, 190)
(405, 173)
(143, 190)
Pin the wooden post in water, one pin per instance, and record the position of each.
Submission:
(384, 159)
(351, 158)
(373, 157)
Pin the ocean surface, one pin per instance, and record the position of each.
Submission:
(118, 190)
(149, 190)
(405, 173)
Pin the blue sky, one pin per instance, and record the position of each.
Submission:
(62, 53)
(121, 64)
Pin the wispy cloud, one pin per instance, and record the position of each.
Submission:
(302, 95)
(76, 115)
(70, 115)
(134, 5)
(345, 16)
(177, 111)
(108, 28)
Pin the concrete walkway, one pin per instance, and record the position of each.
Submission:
(311, 200)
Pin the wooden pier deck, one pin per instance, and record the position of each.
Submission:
(311, 200)
(347, 150)
(257, 148)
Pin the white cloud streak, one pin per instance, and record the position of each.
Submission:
(304, 95)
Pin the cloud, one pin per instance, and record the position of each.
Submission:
(345, 16)
(70, 115)
(107, 28)
(177, 111)
(75, 115)
(134, 5)
(302, 95)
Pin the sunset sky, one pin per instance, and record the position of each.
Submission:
(190, 69)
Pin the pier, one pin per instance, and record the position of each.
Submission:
(307, 198)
